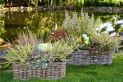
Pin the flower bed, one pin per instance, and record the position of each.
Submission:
(55, 70)
(83, 57)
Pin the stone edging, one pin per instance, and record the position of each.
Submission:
(103, 9)
(87, 9)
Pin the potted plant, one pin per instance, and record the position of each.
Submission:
(81, 54)
(43, 61)
(97, 49)
(94, 47)
(103, 47)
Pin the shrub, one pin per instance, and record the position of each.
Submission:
(60, 50)
(79, 25)
(29, 55)
(104, 43)
(58, 34)
(85, 24)
(28, 38)
(2, 30)
(20, 53)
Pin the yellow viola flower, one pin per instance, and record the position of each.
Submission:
(87, 42)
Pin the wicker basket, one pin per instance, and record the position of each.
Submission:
(55, 70)
(83, 57)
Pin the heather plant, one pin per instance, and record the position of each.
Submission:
(77, 25)
(60, 50)
(103, 42)
(100, 43)
(72, 41)
(28, 38)
(38, 54)
(19, 53)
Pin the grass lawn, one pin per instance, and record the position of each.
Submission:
(93, 73)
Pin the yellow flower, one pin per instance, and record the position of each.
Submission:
(79, 40)
(87, 40)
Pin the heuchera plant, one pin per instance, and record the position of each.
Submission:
(58, 34)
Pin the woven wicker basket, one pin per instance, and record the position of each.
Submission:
(83, 57)
(55, 70)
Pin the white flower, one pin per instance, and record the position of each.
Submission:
(84, 35)
(119, 22)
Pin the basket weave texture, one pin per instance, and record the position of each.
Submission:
(55, 70)
(83, 57)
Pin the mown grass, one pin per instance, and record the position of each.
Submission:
(92, 73)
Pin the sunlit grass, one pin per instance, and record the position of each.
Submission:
(113, 1)
(93, 73)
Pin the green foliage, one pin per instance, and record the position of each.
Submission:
(60, 50)
(105, 43)
(72, 41)
(80, 3)
(2, 30)
(44, 27)
(2, 1)
(35, 3)
(25, 50)
(43, 24)
(27, 37)
(85, 24)
(19, 53)
(77, 25)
